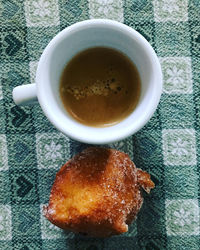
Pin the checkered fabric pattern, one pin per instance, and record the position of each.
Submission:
(168, 147)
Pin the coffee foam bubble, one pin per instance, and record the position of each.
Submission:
(98, 88)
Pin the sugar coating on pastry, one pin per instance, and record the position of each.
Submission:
(97, 193)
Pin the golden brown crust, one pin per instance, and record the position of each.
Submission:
(97, 192)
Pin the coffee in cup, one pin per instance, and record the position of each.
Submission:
(100, 87)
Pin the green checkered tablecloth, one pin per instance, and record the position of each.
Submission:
(168, 147)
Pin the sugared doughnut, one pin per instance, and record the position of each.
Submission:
(97, 192)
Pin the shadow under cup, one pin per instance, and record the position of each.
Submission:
(86, 35)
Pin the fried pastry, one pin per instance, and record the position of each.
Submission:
(97, 192)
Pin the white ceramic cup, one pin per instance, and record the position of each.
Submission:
(70, 41)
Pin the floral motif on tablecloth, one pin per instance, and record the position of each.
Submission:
(182, 217)
(179, 147)
(5, 222)
(170, 10)
(177, 74)
(3, 153)
(111, 9)
(52, 150)
(43, 13)
(33, 68)
(1, 93)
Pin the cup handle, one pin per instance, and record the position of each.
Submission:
(25, 94)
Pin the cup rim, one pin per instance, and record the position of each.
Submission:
(109, 138)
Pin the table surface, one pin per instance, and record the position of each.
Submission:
(168, 147)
